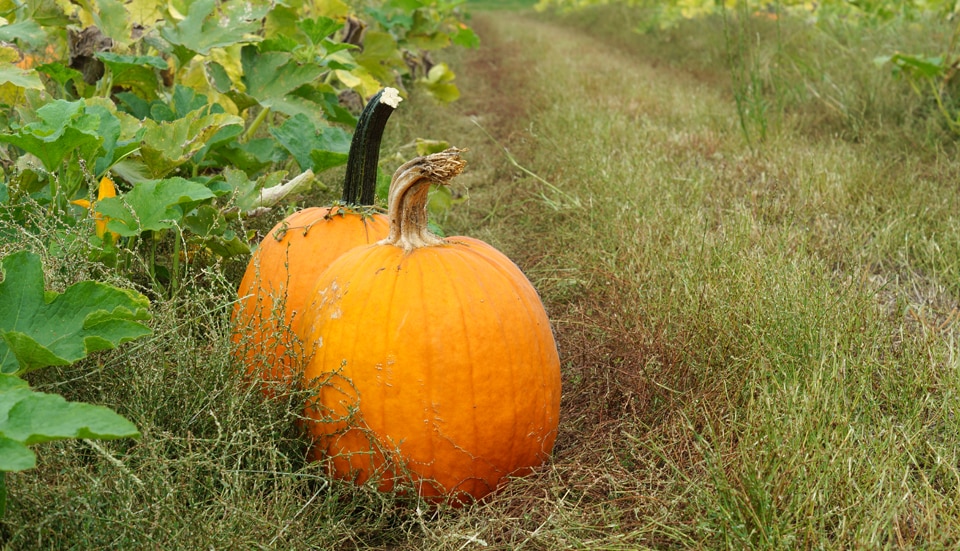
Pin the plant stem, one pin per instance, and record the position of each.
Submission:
(408, 197)
(175, 269)
(261, 116)
(360, 182)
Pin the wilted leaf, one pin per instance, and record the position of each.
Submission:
(41, 328)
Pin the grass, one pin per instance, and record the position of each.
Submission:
(759, 342)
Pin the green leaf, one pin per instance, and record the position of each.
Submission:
(466, 38)
(380, 56)
(438, 83)
(61, 128)
(60, 73)
(270, 76)
(15, 456)
(112, 19)
(167, 145)
(41, 328)
(919, 66)
(203, 29)
(316, 148)
(319, 28)
(152, 206)
(22, 78)
(29, 417)
(137, 73)
(27, 31)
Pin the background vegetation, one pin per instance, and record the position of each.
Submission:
(744, 226)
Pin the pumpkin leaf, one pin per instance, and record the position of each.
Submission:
(62, 127)
(20, 77)
(169, 144)
(439, 83)
(138, 73)
(30, 417)
(202, 29)
(41, 328)
(152, 206)
(29, 31)
(317, 148)
(271, 76)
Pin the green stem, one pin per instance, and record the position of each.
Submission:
(175, 271)
(261, 116)
(360, 182)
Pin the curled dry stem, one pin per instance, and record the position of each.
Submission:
(407, 201)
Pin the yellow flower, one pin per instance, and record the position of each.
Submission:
(107, 189)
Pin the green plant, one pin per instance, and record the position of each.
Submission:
(433, 358)
(43, 328)
(196, 110)
(931, 76)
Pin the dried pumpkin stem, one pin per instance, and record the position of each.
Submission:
(408, 197)
(360, 182)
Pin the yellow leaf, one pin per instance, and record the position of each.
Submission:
(360, 80)
(334, 9)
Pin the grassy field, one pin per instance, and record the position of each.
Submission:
(757, 321)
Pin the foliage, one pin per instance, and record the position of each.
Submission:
(193, 107)
(43, 328)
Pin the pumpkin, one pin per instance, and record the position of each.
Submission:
(284, 268)
(431, 360)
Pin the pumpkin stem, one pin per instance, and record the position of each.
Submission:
(360, 183)
(407, 206)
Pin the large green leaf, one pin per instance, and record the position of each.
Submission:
(317, 148)
(152, 206)
(137, 73)
(203, 29)
(20, 77)
(62, 127)
(28, 31)
(271, 78)
(30, 417)
(41, 328)
(167, 145)
(381, 56)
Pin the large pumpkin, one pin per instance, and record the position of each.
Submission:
(433, 359)
(284, 268)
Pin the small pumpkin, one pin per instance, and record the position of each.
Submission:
(284, 268)
(433, 359)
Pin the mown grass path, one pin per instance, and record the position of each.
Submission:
(757, 342)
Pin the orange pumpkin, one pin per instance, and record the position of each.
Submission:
(284, 268)
(433, 358)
